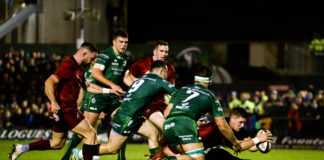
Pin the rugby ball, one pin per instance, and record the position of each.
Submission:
(264, 147)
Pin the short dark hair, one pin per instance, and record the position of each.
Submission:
(92, 47)
(203, 71)
(240, 112)
(161, 43)
(158, 64)
(120, 33)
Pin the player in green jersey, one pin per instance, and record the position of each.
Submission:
(128, 118)
(186, 106)
(107, 71)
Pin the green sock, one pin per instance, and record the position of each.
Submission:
(121, 153)
(75, 140)
(165, 157)
(153, 151)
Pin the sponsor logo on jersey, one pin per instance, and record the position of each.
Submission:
(183, 106)
(93, 108)
(93, 100)
(186, 137)
(168, 126)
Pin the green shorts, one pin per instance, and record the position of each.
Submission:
(97, 103)
(181, 130)
(85, 101)
(126, 125)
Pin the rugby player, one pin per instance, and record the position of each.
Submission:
(62, 89)
(186, 106)
(107, 71)
(128, 117)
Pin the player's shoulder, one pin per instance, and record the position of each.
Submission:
(170, 67)
(68, 62)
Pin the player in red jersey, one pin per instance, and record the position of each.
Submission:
(154, 112)
(62, 89)
(214, 141)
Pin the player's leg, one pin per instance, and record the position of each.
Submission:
(149, 131)
(57, 142)
(76, 139)
(116, 141)
(157, 119)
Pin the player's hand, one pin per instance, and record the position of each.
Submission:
(237, 148)
(117, 92)
(118, 89)
(265, 136)
(55, 107)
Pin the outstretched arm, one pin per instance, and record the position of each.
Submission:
(227, 132)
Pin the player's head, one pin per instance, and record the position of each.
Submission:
(203, 75)
(237, 118)
(160, 68)
(161, 50)
(120, 41)
(89, 52)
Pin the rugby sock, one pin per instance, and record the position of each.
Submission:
(24, 148)
(40, 145)
(121, 153)
(153, 151)
(165, 157)
(75, 140)
(88, 151)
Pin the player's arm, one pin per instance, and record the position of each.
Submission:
(97, 75)
(93, 88)
(129, 78)
(250, 143)
(227, 132)
(80, 97)
(49, 91)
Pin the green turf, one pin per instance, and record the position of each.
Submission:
(137, 152)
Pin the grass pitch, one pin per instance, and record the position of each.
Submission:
(138, 152)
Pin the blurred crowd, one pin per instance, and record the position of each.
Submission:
(289, 113)
(23, 103)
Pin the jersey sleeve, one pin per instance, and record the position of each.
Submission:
(217, 110)
(168, 87)
(63, 71)
(103, 59)
(136, 69)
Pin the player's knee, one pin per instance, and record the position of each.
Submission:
(57, 144)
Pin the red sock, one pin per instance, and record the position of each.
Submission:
(40, 145)
(89, 150)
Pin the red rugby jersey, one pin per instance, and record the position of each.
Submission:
(71, 79)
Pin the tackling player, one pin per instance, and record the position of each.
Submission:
(187, 105)
(128, 117)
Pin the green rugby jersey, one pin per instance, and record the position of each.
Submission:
(194, 101)
(87, 75)
(115, 65)
(143, 91)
